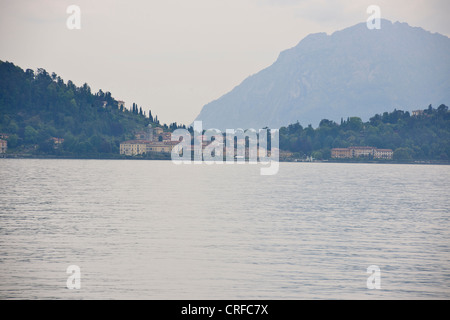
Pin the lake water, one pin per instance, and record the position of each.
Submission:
(156, 230)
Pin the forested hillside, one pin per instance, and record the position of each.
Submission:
(425, 136)
(36, 107)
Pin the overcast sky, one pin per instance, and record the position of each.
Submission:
(175, 56)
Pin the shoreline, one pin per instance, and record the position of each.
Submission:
(167, 158)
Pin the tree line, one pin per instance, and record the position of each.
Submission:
(425, 136)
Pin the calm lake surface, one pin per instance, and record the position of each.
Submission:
(156, 230)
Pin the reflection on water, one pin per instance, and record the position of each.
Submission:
(155, 230)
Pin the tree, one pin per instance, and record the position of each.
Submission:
(13, 141)
(317, 155)
(46, 146)
(327, 123)
(355, 124)
(403, 154)
(442, 109)
(30, 135)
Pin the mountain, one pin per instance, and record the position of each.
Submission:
(352, 72)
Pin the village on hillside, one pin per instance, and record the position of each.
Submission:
(150, 140)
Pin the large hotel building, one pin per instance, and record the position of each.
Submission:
(151, 140)
(356, 152)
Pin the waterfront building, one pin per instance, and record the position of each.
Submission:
(341, 153)
(383, 154)
(137, 147)
(133, 147)
(3, 146)
(363, 152)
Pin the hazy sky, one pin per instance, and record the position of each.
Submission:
(175, 56)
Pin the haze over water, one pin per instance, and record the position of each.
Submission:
(155, 230)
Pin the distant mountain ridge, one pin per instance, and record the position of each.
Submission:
(352, 72)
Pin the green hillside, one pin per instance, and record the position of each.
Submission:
(36, 107)
(425, 136)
